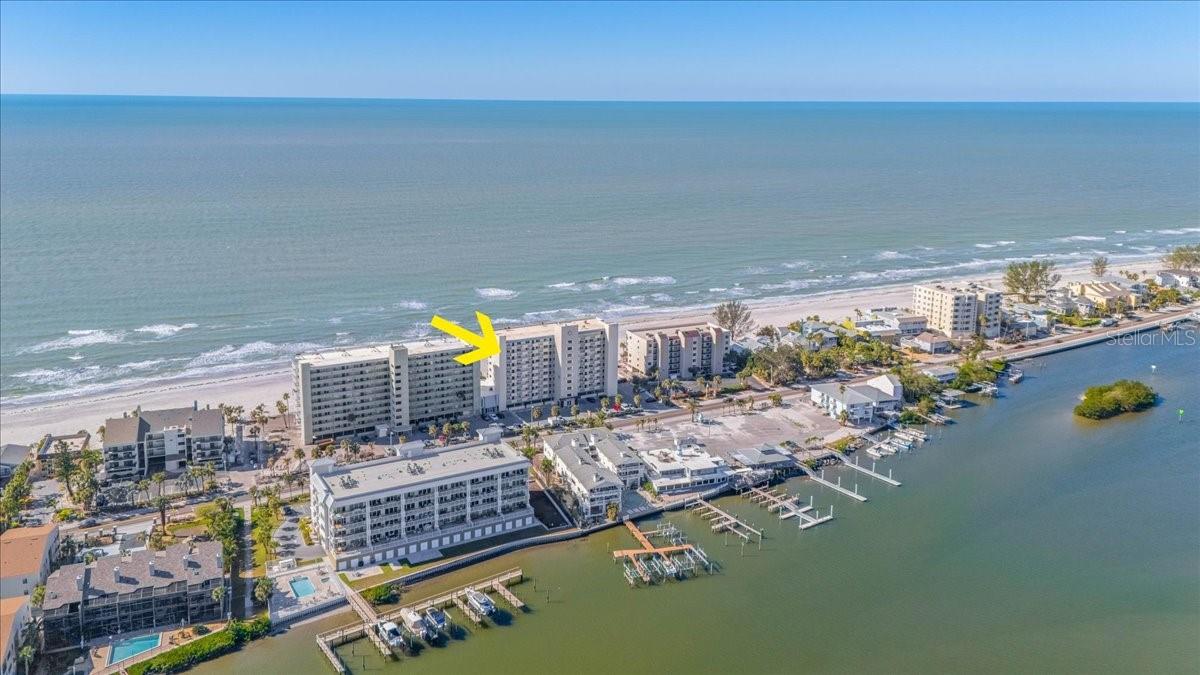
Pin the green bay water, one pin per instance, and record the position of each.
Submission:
(145, 239)
(1023, 540)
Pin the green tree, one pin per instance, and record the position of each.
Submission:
(1030, 278)
(25, 656)
(264, 588)
(574, 410)
(1099, 265)
(161, 503)
(1183, 257)
(65, 467)
(734, 317)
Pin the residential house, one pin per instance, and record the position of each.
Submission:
(927, 342)
(861, 403)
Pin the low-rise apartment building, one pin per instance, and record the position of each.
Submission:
(959, 312)
(552, 363)
(26, 554)
(677, 353)
(134, 591)
(593, 485)
(390, 388)
(398, 508)
(15, 613)
(860, 403)
(146, 442)
(606, 448)
(1106, 295)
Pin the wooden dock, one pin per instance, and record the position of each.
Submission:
(651, 562)
(833, 486)
(497, 583)
(862, 469)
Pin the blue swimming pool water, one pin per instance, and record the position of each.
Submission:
(302, 586)
(124, 649)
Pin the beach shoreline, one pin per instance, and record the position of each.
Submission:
(25, 423)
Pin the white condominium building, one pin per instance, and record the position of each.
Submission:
(400, 508)
(959, 311)
(553, 363)
(353, 392)
(683, 352)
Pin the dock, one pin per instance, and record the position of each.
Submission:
(722, 521)
(788, 506)
(862, 469)
(833, 486)
(497, 583)
(652, 563)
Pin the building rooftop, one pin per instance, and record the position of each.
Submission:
(853, 394)
(576, 458)
(391, 473)
(939, 371)
(133, 428)
(604, 442)
(12, 454)
(540, 329)
(77, 442)
(931, 337)
(122, 574)
(763, 456)
(693, 460)
(9, 607)
(22, 549)
(334, 357)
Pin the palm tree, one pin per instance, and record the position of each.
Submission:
(264, 588)
(555, 410)
(702, 382)
(618, 399)
(637, 400)
(253, 491)
(535, 413)
(298, 453)
(161, 503)
(158, 479)
(604, 402)
(574, 410)
(345, 446)
(25, 656)
(692, 407)
(218, 596)
(282, 406)
(143, 487)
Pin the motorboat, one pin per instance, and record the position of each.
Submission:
(415, 624)
(437, 619)
(480, 602)
(390, 633)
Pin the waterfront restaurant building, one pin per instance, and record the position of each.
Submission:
(409, 507)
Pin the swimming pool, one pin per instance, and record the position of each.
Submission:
(302, 586)
(131, 647)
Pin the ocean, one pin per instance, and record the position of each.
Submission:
(143, 239)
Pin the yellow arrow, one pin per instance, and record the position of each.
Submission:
(485, 341)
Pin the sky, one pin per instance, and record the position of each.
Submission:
(924, 51)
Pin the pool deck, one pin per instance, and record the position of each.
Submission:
(285, 607)
(100, 648)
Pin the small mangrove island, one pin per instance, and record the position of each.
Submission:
(1109, 400)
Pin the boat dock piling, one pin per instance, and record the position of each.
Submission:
(652, 563)
(862, 469)
(789, 507)
(497, 583)
(833, 486)
(726, 522)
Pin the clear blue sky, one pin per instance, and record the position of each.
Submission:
(676, 51)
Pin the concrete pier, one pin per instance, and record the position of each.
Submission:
(862, 469)
(833, 486)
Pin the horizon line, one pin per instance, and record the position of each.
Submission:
(594, 100)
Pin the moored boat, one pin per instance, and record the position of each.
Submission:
(480, 602)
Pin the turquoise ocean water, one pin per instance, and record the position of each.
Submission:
(150, 238)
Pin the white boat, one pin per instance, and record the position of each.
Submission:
(1015, 376)
(390, 632)
(437, 619)
(480, 602)
(416, 625)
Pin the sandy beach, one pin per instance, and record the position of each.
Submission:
(23, 424)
